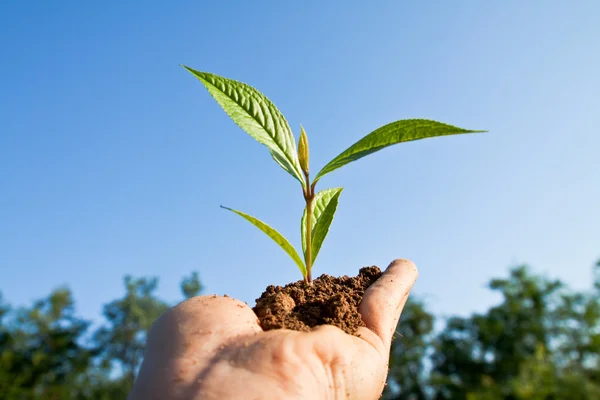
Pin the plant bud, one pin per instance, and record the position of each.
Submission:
(303, 150)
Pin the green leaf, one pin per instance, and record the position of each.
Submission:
(320, 202)
(390, 134)
(257, 115)
(276, 236)
(324, 208)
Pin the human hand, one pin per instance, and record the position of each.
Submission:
(211, 347)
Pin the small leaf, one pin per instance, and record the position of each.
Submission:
(276, 236)
(257, 115)
(324, 220)
(320, 202)
(303, 150)
(390, 134)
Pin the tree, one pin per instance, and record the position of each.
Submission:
(540, 342)
(123, 338)
(577, 331)
(46, 352)
(539, 378)
(407, 378)
(191, 286)
(41, 355)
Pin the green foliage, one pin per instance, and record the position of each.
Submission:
(407, 378)
(276, 236)
(258, 116)
(535, 344)
(388, 135)
(41, 356)
(539, 342)
(191, 285)
(323, 222)
(539, 378)
(48, 353)
(3, 308)
(321, 201)
(123, 338)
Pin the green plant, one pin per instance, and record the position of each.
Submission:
(257, 115)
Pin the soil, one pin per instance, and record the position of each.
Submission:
(327, 301)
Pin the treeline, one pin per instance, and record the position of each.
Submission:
(542, 341)
(47, 352)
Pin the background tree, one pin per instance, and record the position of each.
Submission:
(42, 356)
(539, 342)
(492, 346)
(407, 378)
(191, 285)
(123, 338)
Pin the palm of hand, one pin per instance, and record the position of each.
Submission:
(212, 347)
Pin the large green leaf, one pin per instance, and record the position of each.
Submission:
(257, 115)
(390, 134)
(320, 202)
(324, 217)
(276, 236)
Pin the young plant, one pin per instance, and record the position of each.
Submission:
(257, 115)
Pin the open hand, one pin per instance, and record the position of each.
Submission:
(211, 347)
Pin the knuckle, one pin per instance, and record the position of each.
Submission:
(283, 350)
(382, 292)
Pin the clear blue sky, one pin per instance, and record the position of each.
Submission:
(114, 160)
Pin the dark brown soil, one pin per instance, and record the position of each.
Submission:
(328, 301)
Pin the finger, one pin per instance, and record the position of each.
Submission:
(384, 300)
(201, 324)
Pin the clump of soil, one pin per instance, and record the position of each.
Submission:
(329, 300)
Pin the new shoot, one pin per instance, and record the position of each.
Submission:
(257, 115)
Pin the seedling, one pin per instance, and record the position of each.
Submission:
(257, 115)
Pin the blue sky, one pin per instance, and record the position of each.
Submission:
(114, 160)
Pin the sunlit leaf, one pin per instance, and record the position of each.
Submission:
(320, 201)
(276, 236)
(323, 213)
(257, 115)
(388, 135)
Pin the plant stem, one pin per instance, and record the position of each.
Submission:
(309, 195)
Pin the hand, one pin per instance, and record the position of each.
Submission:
(212, 347)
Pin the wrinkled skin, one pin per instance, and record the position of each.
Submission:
(212, 347)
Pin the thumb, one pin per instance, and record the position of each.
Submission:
(384, 300)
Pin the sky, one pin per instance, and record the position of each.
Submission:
(114, 160)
